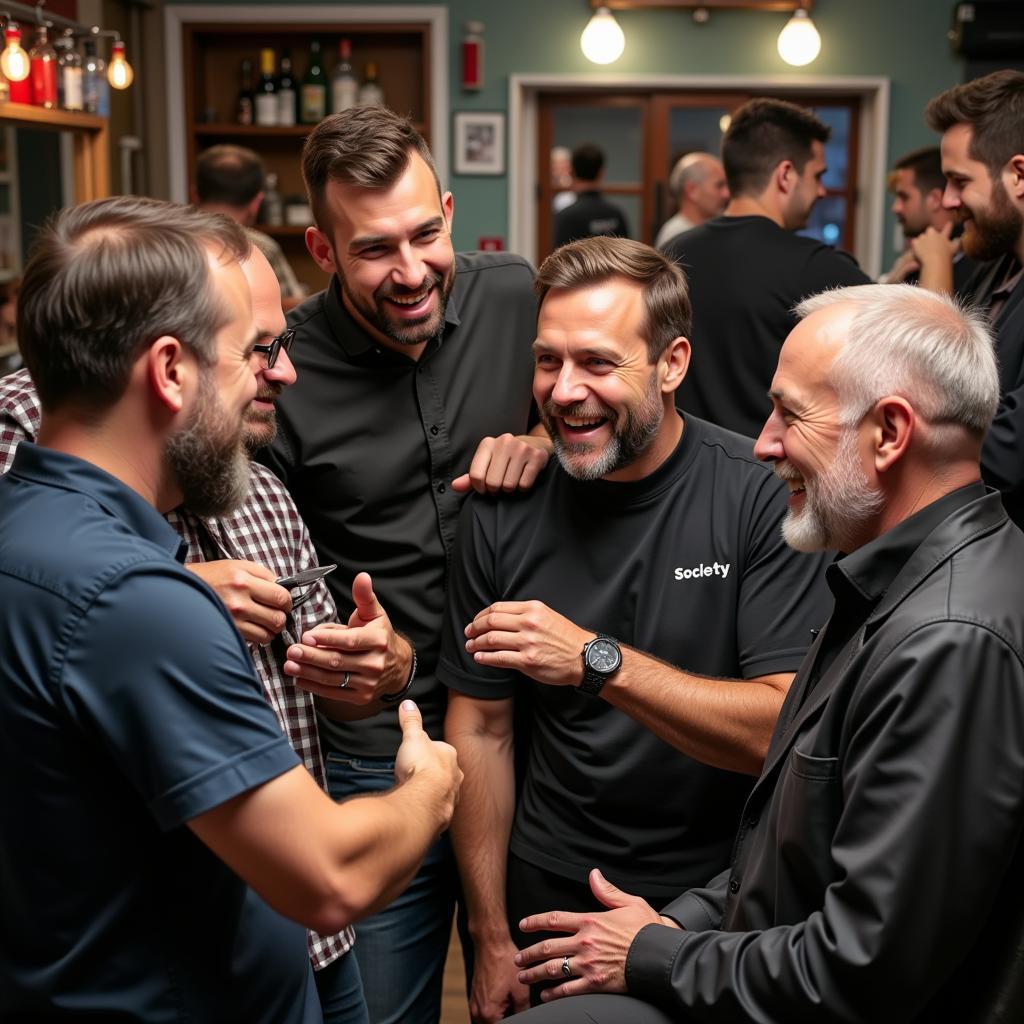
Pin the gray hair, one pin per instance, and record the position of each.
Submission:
(917, 344)
(691, 167)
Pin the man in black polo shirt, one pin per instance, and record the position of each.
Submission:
(591, 214)
(748, 268)
(409, 358)
(653, 530)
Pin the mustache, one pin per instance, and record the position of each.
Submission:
(578, 410)
(269, 391)
(784, 471)
(390, 290)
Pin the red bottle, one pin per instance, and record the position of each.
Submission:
(21, 91)
(43, 71)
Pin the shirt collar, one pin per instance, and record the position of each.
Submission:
(864, 575)
(69, 473)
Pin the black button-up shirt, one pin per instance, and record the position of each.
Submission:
(371, 439)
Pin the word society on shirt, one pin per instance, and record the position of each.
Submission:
(717, 569)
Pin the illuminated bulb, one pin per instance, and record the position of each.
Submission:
(119, 71)
(602, 41)
(724, 122)
(14, 60)
(799, 42)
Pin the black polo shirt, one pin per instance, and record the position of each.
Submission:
(687, 564)
(590, 215)
(370, 441)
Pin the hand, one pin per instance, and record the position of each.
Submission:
(531, 638)
(934, 246)
(419, 754)
(368, 650)
(597, 945)
(906, 264)
(256, 603)
(505, 463)
(496, 990)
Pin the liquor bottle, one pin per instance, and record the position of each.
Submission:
(344, 84)
(43, 71)
(285, 91)
(370, 93)
(272, 208)
(69, 74)
(15, 61)
(313, 97)
(245, 109)
(266, 90)
(95, 87)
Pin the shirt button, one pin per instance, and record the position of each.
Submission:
(433, 430)
(441, 488)
(734, 886)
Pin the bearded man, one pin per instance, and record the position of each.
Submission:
(982, 125)
(652, 531)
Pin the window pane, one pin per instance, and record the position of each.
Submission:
(695, 128)
(837, 149)
(617, 131)
(828, 220)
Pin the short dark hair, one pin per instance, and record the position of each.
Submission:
(590, 261)
(369, 147)
(926, 164)
(232, 175)
(763, 133)
(993, 106)
(587, 162)
(106, 279)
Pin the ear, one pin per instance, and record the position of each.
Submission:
(320, 249)
(252, 208)
(1013, 176)
(673, 364)
(933, 200)
(170, 371)
(892, 421)
(448, 209)
(785, 176)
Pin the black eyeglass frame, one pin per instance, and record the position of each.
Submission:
(282, 341)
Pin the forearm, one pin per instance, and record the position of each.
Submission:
(937, 276)
(726, 723)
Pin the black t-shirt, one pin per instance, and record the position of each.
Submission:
(746, 274)
(688, 565)
(369, 442)
(590, 215)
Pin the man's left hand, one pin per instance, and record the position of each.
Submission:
(531, 638)
(596, 947)
(505, 463)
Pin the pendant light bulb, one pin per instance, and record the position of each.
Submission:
(14, 60)
(799, 42)
(119, 71)
(602, 40)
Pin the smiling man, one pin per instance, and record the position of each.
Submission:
(654, 532)
(982, 125)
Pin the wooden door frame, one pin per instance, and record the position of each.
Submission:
(872, 143)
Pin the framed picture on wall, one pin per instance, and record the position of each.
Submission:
(479, 143)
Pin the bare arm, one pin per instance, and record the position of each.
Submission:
(935, 250)
(327, 865)
(481, 732)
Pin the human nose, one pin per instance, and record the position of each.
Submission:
(768, 446)
(568, 386)
(283, 370)
(950, 196)
(408, 270)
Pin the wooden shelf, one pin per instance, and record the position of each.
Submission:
(283, 230)
(229, 130)
(40, 117)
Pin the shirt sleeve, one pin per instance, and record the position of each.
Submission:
(471, 588)
(19, 415)
(932, 784)
(783, 594)
(830, 268)
(158, 678)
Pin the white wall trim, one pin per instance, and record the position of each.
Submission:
(874, 134)
(176, 15)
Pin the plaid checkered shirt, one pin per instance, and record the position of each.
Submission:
(267, 530)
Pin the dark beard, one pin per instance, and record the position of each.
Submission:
(411, 332)
(996, 231)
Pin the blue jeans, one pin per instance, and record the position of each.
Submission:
(401, 950)
(341, 992)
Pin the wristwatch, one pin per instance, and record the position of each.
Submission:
(602, 658)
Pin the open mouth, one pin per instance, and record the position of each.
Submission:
(579, 426)
(412, 305)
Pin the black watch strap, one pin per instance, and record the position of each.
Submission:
(394, 698)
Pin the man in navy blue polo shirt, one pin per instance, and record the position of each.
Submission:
(156, 828)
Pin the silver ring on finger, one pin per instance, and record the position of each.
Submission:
(566, 969)
(346, 679)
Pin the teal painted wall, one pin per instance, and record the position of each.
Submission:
(904, 40)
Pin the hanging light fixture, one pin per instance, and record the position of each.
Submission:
(799, 42)
(119, 71)
(14, 60)
(602, 40)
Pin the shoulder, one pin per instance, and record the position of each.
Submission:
(492, 266)
(734, 452)
(486, 281)
(308, 314)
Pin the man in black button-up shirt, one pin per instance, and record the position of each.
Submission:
(877, 865)
(409, 358)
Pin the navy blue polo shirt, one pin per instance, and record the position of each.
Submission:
(128, 706)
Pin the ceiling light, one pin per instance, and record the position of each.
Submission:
(799, 42)
(602, 40)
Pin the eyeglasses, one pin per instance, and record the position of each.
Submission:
(282, 341)
(308, 578)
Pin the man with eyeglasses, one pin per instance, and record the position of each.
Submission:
(249, 557)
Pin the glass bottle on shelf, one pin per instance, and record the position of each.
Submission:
(245, 108)
(95, 87)
(20, 90)
(69, 74)
(286, 91)
(43, 71)
(266, 90)
(313, 97)
(344, 84)
(272, 208)
(370, 93)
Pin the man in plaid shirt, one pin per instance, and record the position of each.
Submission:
(241, 555)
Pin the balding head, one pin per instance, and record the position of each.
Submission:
(698, 183)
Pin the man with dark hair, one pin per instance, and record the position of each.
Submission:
(933, 257)
(982, 125)
(132, 720)
(391, 405)
(230, 180)
(698, 185)
(591, 214)
(877, 868)
(655, 530)
(748, 268)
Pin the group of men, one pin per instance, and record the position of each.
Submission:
(632, 604)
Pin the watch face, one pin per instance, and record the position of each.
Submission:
(603, 656)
